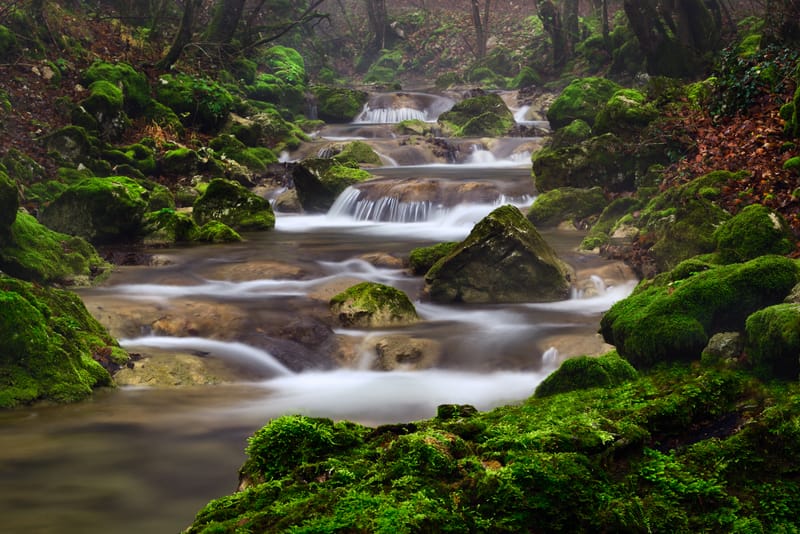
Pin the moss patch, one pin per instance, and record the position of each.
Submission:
(370, 304)
(232, 204)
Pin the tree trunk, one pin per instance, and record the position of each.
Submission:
(553, 25)
(481, 27)
(376, 14)
(184, 35)
(227, 15)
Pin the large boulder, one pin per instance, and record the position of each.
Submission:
(200, 102)
(754, 231)
(504, 259)
(673, 320)
(284, 78)
(50, 346)
(581, 99)
(100, 209)
(479, 116)
(36, 253)
(585, 372)
(566, 204)
(103, 111)
(320, 181)
(134, 85)
(627, 111)
(773, 340)
(338, 104)
(373, 305)
(234, 205)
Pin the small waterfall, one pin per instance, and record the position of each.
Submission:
(480, 156)
(391, 108)
(391, 115)
(387, 209)
(550, 356)
(230, 350)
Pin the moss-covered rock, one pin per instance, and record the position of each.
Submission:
(421, 259)
(134, 85)
(680, 222)
(573, 133)
(202, 102)
(753, 232)
(600, 233)
(254, 159)
(22, 169)
(674, 321)
(70, 144)
(9, 203)
(283, 81)
(277, 132)
(105, 107)
(35, 253)
(504, 259)
(169, 226)
(319, 182)
(566, 204)
(584, 372)
(373, 305)
(603, 161)
(137, 156)
(50, 346)
(773, 340)
(626, 112)
(356, 153)
(100, 210)
(485, 115)
(232, 204)
(338, 104)
(581, 99)
(217, 232)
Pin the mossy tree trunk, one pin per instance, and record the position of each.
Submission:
(562, 27)
(224, 21)
(675, 35)
(481, 24)
(184, 35)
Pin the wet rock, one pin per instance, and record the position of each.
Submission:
(395, 353)
(373, 305)
(319, 182)
(504, 259)
(230, 203)
(566, 204)
(169, 369)
(257, 270)
(723, 347)
(478, 116)
(581, 99)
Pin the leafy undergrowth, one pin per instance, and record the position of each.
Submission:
(683, 449)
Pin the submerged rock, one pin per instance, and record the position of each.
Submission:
(373, 305)
(395, 353)
(319, 182)
(485, 115)
(504, 259)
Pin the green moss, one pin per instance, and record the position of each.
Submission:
(100, 209)
(485, 115)
(753, 232)
(337, 104)
(8, 44)
(370, 304)
(217, 232)
(21, 168)
(35, 253)
(447, 80)
(581, 99)
(566, 204)
(773, 340)
(232, 204)
(626, 112)
(674, 322)
(169, 226)
(526, 77)
(180, 161)
(573, 133)
(422, 259)
(586, 372)
(134, 85)
(9, 203)
(49, 345)
(600, 232)
(284, 82)
(357, 152)
(413, 127)
(199, 102)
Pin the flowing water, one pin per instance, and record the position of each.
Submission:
(145, 459)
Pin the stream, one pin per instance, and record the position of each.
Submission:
(146, 459)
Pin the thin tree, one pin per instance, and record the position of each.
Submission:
(481, 24)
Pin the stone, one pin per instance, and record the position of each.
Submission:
(373, 305)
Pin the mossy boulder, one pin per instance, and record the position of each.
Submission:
(100, 210)
(180, 161)
(70, 144)
(338, 104)
(234, 205)
(600, 232)
(773, 340)
(373, 305)
(169, 226)
(8, 44)
(134, 85)
(581, 99)
(626, 112)
(584, 372)
(319, 182)
(284, 79)
(51, 348)
(23, 169)
(35, 253)
(566, 204)
(105, 108)
(357, 153)
(504, 259)
(217, 232)
(203, 103)
(421, 259)
(573, 133)
(753, 232)
(137, 156)
(479, 116)
(673, 321)
(604, 161)
(9, 203)
(681, 222)
(278, 133)
(255, 159)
